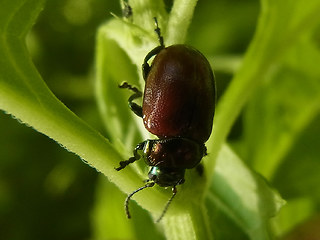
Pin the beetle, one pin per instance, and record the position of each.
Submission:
(178, 107)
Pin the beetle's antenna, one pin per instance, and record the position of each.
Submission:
(126, 203)
(158, 31)
(174, 193)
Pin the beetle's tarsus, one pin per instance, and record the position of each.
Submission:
(158, 31)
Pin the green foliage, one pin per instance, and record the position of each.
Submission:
(275, 92)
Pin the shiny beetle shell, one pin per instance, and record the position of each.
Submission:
(179, 95)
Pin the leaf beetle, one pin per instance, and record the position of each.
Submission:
(178, 107)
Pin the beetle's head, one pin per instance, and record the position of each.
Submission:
(166, 177)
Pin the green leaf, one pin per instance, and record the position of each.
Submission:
(298, 174)
(284, 106)
(109, 220)
(276, 35)
(281, 73)
(25, 95)
(298, 178)
(292, 214)
(243, 195)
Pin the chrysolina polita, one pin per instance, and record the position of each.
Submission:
(178, 107)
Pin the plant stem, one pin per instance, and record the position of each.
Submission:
(179, 21)
(188, 225)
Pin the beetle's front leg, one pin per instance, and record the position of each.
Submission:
(135, 157)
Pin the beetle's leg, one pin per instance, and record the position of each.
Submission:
(158, 32)
(137, 94)
(135, 157)
(145, 66)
